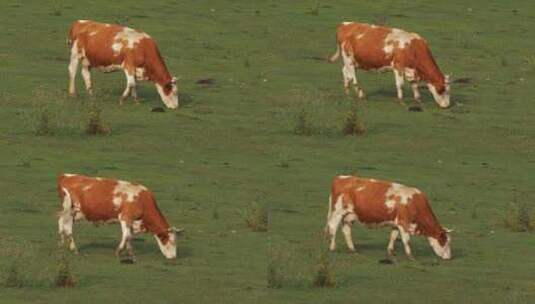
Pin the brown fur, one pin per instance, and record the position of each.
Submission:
(370, 208)
(368, 53)
(96, 203)
(98, 51)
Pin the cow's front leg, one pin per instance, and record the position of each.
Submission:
(416, 92)
(130, 84)
(393, 237)
(73, 67)
(399, 85)
(86, 74)
(125, 239)
(405, 237)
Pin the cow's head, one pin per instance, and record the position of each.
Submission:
(441, 92)
(169, 93)
(167, 242)
(441, 244)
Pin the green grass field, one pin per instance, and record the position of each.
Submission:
(232, 144)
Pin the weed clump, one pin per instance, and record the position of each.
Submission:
(353, 124)
(275, 269)
(14, 277)
(303, 124)
(44, 126)
(95, 125)
(64, 277)
(520, 217)
(256, 217)
(323, 275)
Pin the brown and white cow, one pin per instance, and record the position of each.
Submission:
(101, 200)
(110, 47)
(381, 203)
(371, 47)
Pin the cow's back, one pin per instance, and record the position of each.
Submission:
(92, 196)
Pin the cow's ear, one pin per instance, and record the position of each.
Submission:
(174, 80)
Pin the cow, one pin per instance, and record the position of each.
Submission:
(101, 200)
(379, 48)
(110, 47)
(377, 203)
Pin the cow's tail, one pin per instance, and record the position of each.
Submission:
(66, 203)
(329, 212)
(70, 35)
(335, 56)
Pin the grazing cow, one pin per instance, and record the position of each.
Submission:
(380, 203)
(110, 47)
(100, 200)
(371, 47)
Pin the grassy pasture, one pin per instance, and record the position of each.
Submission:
(232, 145)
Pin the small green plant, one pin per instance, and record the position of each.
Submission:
(64, 277)
(303, 124)
(520, 217)
(353, 124)
(256, 217)
(323, 275)
(275, 269)
(56, 9)
(95, 125)
(14, 277)
(44, 126)
(316, 9)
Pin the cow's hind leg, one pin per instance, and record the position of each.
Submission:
(73, 67)
(393, 237)
(86, 74)
(66, 222)
(346, 230)
(130, 87)
(334, 221)
(350, 75)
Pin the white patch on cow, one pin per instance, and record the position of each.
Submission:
(360, 36)
(117, 46)
(401, 37)
(442, 251)
(93, 33)
(69, 174)
(347, 22)
(410, 74)
(397, 190)
(127, 189)
(140, 74)
(344, 176)
(87, 187)
(360, 188)
(83, 21)
(98, 178)
(373, 180)
(129, 36)
(110, 68)
(137, 226)
(412, 228)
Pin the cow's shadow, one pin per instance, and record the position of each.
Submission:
(142, 247)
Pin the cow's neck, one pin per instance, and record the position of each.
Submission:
(431, 74)
(155, 222)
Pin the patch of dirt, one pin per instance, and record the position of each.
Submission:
(206, 81)
(464, 80)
